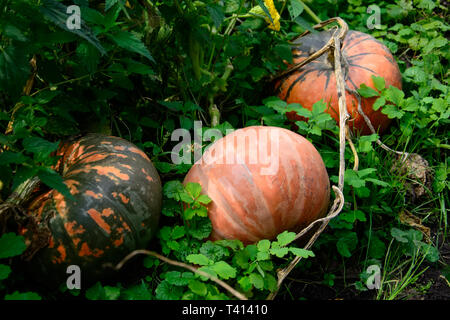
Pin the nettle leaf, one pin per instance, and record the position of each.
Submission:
(367, 92)
(11, 245)
(54, 180)
(23, 296)
(132, 43)
(4, 271)
(56, 12)
(39, 146)
(7, 157)
(199, 259)
(302, 252)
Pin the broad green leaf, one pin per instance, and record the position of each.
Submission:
(394, 95)
(279, 252)
(177, 278)
(381, 101)
(7, 157)
(166, 291)
(367, 92)
(399, 235)
(245, 283)
(302, 252)
(39, 145)
(54, 181)
(199, 259)
(224, 270)
(256, 280)
(198, 287)
(173, 189)
(11, 245)
(216, 13)
(263, 245)
(295, 9)
(285, 238)
(178, 232)
(203, 199)
(194, 189)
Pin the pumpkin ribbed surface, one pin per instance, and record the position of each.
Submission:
(363, 55)
(114, 208)
(253, 200)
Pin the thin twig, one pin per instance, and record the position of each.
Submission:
(224, 285)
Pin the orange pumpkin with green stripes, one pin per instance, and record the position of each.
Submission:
(114, 208)
(362, 57)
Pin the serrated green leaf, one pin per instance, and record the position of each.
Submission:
(256, 280)
(285, 238)
(199, 259)
(198, 287)
(367, 92)
(166, 291)
(132, 43)
(204, 199)
(347, 243)
(381, 101)
(378, 82)
(279, 252)
(193, 189)
(302, 252)
(11, 245)
(224, 270)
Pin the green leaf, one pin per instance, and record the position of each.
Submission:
(54, 181)
(352, 178)
(245, 283)
(178, 232)
(4, 271)
(132, 43)
(177, 278)
(392, 111)
(347, 243)
(173, 189)
(39, 145)
(263, 245)
(284, 52)
(318, 108)
(193, 189)
(256, 280)
(381, 101)
(279, 252)
(203, 199)
(198, 287)
(394, 95)
(216, 13)
(199, 259)
(399, 235)
(11, 245)
(378, 82)
(203, 228)
(224, 270)
(23, 296)
(7, 157)
(166, 291)
(109, 4)
(57, 13)
(285, 238)
(137, 292)
(367, 92)
(303, 253)
(111, 293)
(295, 9)
(213, 251)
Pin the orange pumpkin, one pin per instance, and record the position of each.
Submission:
(262, 181)
(316, 80)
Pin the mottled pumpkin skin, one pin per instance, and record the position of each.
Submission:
(365, 55)
(247, 203)
(115, 208)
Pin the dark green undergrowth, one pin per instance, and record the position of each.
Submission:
(141, 69)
